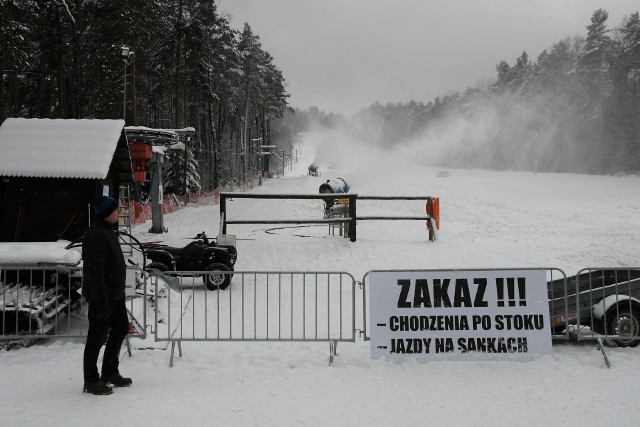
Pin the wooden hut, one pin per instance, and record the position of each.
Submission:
(52, 170)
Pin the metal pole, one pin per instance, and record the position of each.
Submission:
(124, 94)
(134, 120)
(157, 225)
(186, 170)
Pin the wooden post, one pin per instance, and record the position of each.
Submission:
(429, 210)
(223, 212)
(430, 221)
(431, 232)
(352, 215)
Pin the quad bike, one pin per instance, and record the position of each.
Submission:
(201, 255)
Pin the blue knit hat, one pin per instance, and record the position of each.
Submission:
(105, 206)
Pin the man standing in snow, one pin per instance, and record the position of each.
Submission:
(104, 272)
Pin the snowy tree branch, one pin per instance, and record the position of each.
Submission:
(66, 6)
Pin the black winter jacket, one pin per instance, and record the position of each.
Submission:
(104, 269)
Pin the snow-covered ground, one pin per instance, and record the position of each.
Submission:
(489, 219)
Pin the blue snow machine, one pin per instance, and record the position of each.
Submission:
(334, 186)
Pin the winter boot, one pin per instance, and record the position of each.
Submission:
(116, 380)
(98, 387)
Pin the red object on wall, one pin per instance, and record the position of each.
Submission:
(141, 154)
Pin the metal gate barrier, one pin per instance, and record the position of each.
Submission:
(258, 306)
(46, 302)
(601, 304)
(608, 301)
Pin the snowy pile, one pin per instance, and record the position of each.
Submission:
(38, 253)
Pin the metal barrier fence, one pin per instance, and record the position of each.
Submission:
(257, 306)
(558, 292)
(607, 301)
(597, 304)
(46, 302)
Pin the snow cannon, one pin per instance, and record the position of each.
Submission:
(334, 186)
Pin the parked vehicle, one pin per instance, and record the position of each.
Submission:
(201, 255)
(608, 301)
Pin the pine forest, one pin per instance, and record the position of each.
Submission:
(575, 107)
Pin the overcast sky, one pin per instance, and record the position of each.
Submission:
(342, 55)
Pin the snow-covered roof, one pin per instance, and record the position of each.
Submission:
(56, 148)
(160, 137)
(35, 253)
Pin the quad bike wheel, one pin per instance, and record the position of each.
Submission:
(215, 278)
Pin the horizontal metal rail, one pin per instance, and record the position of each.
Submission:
(428, 218)
(393, 218)
(326, 196)
(290, 221)
(323, 196)
(395, 197)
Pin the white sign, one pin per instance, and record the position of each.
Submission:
(459, 315)
(130, 283)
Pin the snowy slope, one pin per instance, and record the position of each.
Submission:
(489, 219)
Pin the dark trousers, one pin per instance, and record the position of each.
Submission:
(98, 330)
